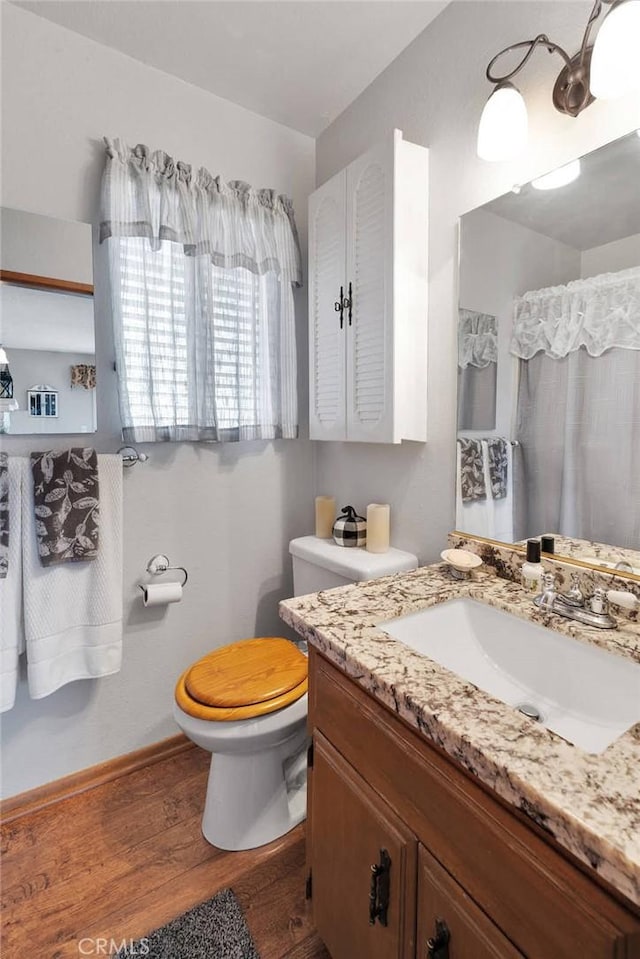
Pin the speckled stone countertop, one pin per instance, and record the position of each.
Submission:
(589, 803)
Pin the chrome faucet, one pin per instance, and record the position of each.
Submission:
(572, 605)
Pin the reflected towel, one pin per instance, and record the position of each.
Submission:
(66, 505)
(11, 630)
(498, 466)
(73, 611)
(472, 479)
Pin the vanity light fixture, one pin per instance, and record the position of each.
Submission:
(557, 178)
(605, 69)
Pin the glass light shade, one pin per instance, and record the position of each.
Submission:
(503, 130)
(3, 357)
(615, 63)
(557, 178)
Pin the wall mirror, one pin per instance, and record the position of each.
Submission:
(47, 341)
(550, 329)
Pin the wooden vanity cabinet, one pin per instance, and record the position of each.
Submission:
(353, 831)
(457, 853)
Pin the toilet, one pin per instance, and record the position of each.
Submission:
(246, 704)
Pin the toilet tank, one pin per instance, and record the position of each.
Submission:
(322, 564)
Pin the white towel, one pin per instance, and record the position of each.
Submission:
(73, 612)
(11, 629)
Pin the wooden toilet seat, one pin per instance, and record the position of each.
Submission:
(243, 680)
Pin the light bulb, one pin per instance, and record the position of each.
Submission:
(502, 134)
(615, 63)
(557, 178)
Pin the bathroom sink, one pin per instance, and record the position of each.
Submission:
(585, 694)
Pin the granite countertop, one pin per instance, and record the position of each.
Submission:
(589, 803)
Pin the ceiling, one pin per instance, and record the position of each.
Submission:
(601, 206)
(299, 62)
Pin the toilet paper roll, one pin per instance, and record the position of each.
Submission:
(160, 594)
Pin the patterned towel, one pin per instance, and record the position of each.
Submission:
(472, 470)
(66, 505)
(4, 515)
(498, 468)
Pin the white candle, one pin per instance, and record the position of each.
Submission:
(378, 527)
(325, 516)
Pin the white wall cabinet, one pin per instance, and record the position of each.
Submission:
(368, 298)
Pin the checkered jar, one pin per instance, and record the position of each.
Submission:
(350, 529)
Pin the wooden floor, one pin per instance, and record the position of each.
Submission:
(122, 859)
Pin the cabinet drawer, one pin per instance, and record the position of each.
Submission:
(471, 934)
(545, 905)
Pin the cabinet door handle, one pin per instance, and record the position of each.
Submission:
(339, 307)
(438, 945)
(379, 890)
(348, 303)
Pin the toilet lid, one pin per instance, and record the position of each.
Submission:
(248, 672)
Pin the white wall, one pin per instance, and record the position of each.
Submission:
(76, 406)
(226, 513)
(44, 245)
(434, 91)
(611, 257)
(499, 260)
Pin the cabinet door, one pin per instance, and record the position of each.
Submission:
(327, 246)
(351, 828)
(444, 905)
(370, 273)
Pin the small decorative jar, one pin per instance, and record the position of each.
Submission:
(350, 529)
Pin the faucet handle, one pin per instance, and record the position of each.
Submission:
(622, 597)
(548, 581)
(599, 601)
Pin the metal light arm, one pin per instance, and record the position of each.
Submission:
(571, 92)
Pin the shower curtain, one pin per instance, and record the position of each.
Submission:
(578, 409)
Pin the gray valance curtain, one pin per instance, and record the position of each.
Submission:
(201, 277)
(477, 339)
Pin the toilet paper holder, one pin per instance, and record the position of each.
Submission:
(159, 564)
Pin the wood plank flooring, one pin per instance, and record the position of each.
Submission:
(122, 859)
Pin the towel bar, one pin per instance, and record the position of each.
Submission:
(131, 456)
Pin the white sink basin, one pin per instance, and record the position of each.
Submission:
(586, 695)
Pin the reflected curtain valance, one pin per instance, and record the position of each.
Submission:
(598, 314)
(201, 283)
(477, 339)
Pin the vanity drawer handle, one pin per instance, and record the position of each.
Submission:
(379, 890)
(438, 945)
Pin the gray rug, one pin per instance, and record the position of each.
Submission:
(216, 929)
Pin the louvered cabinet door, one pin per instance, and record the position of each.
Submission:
(326, 336)
(370, 272)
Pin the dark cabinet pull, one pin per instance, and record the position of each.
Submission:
(348, 303)
(379, 890)
(438, 945)
(339, 307)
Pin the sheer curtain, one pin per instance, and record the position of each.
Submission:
(578, 415)
(202, 276)
(477, 370)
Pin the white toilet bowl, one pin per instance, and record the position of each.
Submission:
(257, 779)
(249, 802)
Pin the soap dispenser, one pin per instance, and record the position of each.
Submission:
(532, 570)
